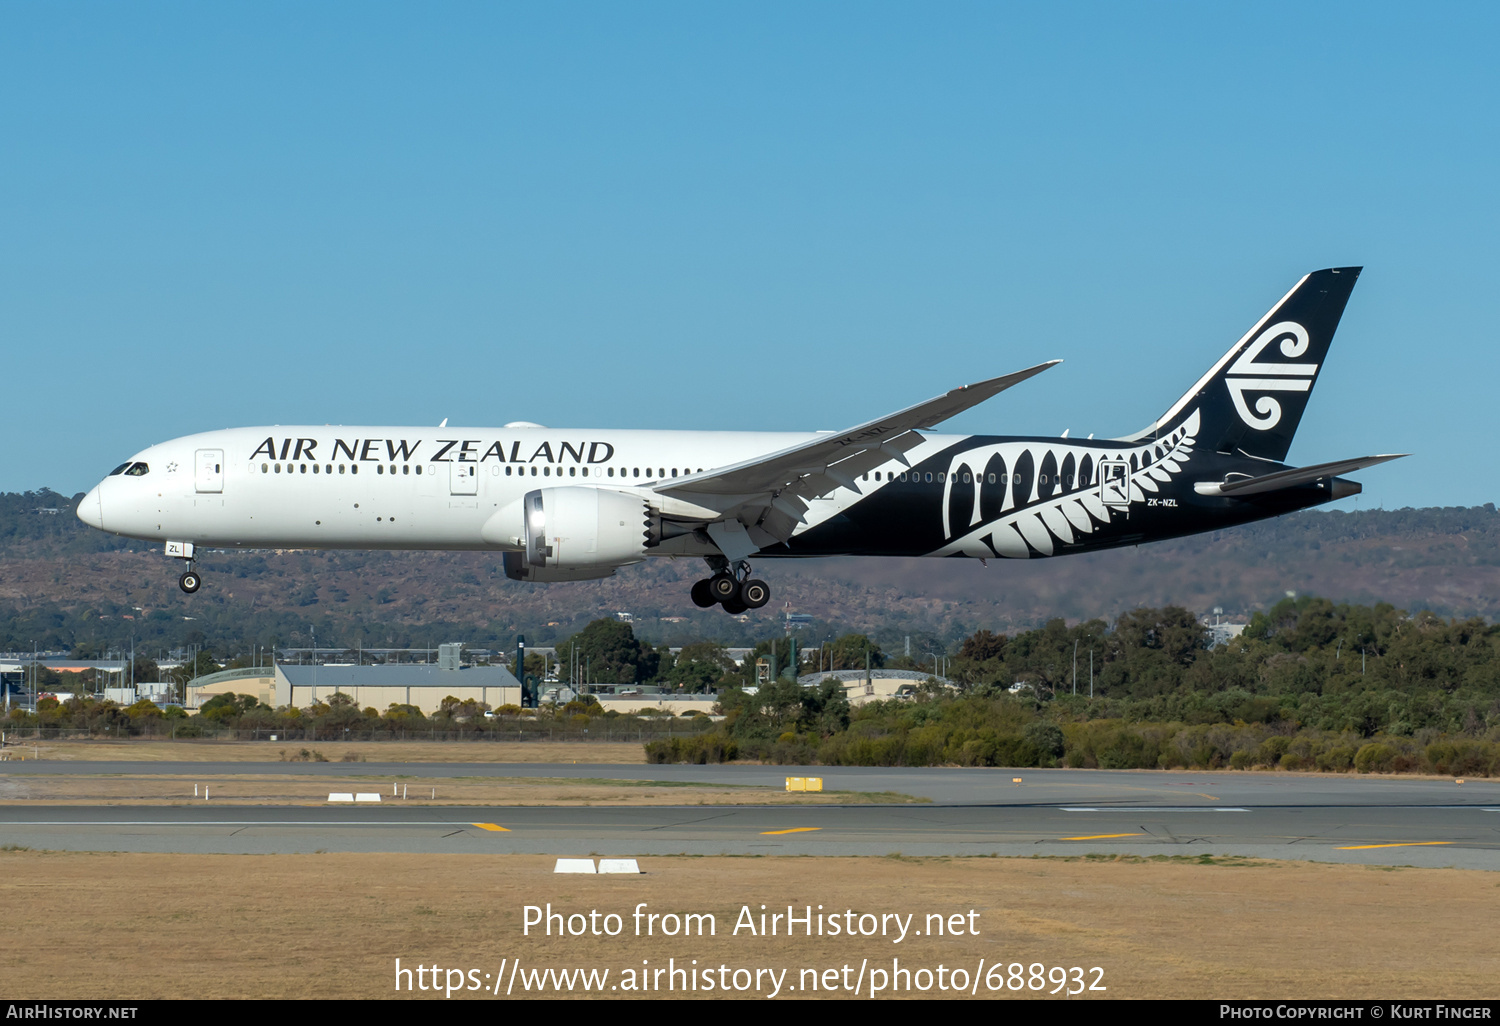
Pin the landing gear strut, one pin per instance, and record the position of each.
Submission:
(732, 587)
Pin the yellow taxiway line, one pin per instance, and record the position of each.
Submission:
(1397, 844)
(1098, 837)
(793, 830)
(493, 826)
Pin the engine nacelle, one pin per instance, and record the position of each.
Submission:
(517, 569)
(571, 528)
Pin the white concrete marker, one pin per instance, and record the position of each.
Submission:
(618, 866)
(367, 796)
(574, 866)
(341, 796)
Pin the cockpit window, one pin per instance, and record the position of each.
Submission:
(119, 470)
(137, 470)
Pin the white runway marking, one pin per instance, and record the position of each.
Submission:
(1136, 808)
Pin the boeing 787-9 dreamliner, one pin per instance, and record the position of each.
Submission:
(568, 504)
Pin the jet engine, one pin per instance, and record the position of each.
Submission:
(572, 528)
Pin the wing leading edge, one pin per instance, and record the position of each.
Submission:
(768, 495)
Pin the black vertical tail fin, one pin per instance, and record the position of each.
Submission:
(1251, 401)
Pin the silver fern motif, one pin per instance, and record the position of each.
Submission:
(1063, 498)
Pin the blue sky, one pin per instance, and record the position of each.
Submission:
(722, 215)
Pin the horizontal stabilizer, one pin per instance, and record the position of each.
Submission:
(1239, 487)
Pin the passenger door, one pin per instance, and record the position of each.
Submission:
(1114, 483)
(209, 474)
(464, 479)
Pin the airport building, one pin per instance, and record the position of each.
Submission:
(862, 686)
(423, 685)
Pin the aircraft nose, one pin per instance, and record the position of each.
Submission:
(91, 509)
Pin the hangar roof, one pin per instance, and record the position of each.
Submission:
(401, 675)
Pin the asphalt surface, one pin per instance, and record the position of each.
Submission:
(1375, 820)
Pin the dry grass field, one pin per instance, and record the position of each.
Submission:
(333, 925)
(613, 752)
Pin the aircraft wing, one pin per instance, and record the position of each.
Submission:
(769, 494)
(1241, 486)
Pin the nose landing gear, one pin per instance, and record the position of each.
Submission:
(731, 587)
(189, 582)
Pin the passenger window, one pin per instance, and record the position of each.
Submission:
(572, 471)
(315, 468)
(992, 479)
(546, 471)
(405, 469)
(585, 471)
(354, 468)
(341, 468)
(278, 468)
(635, 471)
(265, 468)
(419, 470)
(380, 468)
(303, 466)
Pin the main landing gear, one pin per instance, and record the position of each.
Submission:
(731, 587)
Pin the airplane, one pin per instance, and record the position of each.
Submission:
(573, 505)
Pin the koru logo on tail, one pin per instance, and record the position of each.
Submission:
(1246, 375)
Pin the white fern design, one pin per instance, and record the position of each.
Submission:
(1037, 525)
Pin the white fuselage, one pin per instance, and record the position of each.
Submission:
(394, 487)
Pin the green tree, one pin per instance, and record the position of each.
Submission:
(700, 667)
(982, 646)
(849, 651)
(610, 652)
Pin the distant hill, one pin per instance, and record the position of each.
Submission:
(63, 584)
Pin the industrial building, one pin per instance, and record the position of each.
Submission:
(423, 685)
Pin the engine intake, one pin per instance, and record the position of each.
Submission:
(571, 528)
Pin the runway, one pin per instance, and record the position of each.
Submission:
(1374, 820)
